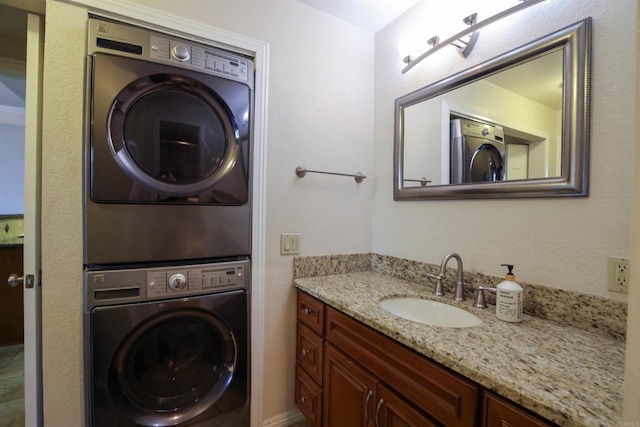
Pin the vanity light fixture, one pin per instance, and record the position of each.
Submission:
(465, 40)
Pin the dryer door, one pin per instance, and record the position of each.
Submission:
(163, 134)
(486, 165)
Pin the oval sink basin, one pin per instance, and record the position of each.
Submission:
(430, 312)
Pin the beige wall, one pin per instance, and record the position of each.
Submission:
(320, 114)
(632, 368)
(62, 214)
(561, 243)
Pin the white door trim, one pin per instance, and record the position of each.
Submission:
(126, 11)
(31, 262)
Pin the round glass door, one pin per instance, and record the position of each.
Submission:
(172, 135)
(486, 164)
(173, 368)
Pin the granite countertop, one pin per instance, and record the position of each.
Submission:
(12, 243)
(567, 375)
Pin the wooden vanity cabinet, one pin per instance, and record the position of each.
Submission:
(348, 374)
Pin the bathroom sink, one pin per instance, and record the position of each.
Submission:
(430, 312)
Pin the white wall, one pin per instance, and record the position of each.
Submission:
(555, 242)
(320, 114)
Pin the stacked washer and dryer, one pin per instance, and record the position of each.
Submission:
(167, 230)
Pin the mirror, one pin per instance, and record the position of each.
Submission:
(515, 126)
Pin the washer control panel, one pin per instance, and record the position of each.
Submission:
(140, 284)
(195, 279)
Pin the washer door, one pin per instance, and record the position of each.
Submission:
(486, 164)
(173, 367)
(172, 135)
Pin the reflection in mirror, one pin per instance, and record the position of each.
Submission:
(515, 126)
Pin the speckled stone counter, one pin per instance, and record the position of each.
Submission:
(12, 243)
(571, 376)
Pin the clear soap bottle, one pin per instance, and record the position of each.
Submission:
(509, 298)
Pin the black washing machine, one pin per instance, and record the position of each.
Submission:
(168, 346)
(168, 148)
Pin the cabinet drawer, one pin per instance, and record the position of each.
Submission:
(310, 311)
(308, 398)
(447, 397)
(309, 352)
(498, 412)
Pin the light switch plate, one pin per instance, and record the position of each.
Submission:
(289, 243)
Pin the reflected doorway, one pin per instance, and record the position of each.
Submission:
(13, 43)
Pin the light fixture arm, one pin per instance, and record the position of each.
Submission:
(472, 29)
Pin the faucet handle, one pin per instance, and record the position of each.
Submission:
(480, 303)
(438, 290)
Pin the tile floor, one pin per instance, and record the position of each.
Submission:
(12, 386)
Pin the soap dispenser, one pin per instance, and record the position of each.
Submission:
(509, 298)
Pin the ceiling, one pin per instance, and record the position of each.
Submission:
(370, 15)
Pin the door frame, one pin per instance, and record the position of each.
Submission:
(140, 15)
(32, 191)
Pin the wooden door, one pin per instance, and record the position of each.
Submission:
(11, 298)
(349, 392)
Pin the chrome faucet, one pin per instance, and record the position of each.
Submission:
(459, 294)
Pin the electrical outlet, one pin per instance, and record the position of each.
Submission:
(619, 274)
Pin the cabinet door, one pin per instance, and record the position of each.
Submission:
(310, 311)
(308, 398)
(309, 352)
(349, 392)
(393, 411)
(501, 413)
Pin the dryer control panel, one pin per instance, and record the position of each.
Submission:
(121, 39)
(107, 287)
(204, 59)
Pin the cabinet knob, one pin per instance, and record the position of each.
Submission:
(304, 352)
(303, 399)
(307, 310)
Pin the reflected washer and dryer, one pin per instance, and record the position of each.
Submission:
(168, 346)
(477, 152)
(168, 148)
